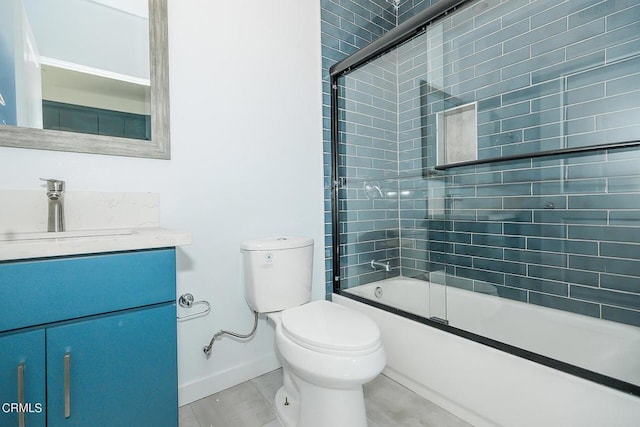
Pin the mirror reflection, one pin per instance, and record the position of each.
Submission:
(54, 73)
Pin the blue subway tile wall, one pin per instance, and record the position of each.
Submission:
(346, 26)
(562, 232)
(570, 253)
(409, 8)
(367, 158)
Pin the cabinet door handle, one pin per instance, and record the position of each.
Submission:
(67, 385)
(21, 395)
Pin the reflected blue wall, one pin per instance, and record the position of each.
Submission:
(7, 67)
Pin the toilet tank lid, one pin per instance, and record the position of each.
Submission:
(276, 243)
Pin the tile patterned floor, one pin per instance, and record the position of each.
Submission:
(249, 404)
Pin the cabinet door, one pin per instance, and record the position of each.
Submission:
(22, 379)
(114, 370)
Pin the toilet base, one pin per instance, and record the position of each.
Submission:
(287, 409)
(299, 403)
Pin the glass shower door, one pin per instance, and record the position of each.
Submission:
(391, 204)
(422, 205)
(367, 167)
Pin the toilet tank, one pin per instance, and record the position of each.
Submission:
(277, 272)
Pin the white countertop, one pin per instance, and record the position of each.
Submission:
(38, 245)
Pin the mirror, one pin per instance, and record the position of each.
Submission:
(147, 137)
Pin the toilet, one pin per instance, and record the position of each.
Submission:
(327, 351)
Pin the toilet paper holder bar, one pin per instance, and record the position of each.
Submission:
(188, 301)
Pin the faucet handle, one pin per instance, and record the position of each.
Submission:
(54, 184)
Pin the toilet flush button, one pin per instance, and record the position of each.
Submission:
(268, 258)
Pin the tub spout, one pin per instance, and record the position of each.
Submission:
(380, 264)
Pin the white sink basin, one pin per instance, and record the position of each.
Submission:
(5, 237)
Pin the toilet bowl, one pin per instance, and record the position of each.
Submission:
(327, 351)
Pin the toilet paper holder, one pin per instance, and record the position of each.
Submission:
(187, 300)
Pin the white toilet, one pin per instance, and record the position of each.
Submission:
(327, 351)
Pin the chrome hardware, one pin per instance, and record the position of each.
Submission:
(55, 191)
(188, 301)
(21, 395)
(372, 190)
(395, 4)
(207, 348)
(67, 385)
(439, 320)
(378, 292)
(379, 264)
(286, 401)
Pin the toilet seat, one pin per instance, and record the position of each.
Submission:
(325, 327)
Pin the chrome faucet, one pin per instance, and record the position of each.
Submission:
(55, 190)
(380, 264)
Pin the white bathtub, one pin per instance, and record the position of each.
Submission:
(486, 386)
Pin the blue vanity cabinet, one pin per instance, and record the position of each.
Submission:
(113, 370)
(22, 379)
(101, 333)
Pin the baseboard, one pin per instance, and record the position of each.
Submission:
(203, 387)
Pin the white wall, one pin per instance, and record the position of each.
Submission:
(246, 162)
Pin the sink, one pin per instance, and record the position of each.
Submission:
(5, 237)
(17, 246)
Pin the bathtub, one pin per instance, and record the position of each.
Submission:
(488, 387)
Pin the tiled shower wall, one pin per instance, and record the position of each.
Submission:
(369, 226)
(561, 232)
(557, 231)
(346, 25)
